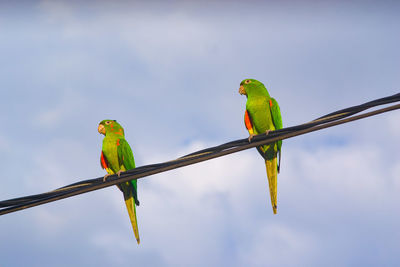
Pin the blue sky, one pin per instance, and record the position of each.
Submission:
(169, 72)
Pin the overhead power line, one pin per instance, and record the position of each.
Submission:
(332, 119)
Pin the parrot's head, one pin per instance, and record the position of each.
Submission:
(252, 87)
(110, 127)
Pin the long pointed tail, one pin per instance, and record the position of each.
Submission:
(272, 173)
(129, 191)
(130, 205)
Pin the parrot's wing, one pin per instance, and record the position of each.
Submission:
(125, 155)
(276, 114)
(125, 158)
(277, 120)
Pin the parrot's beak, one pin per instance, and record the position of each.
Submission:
(242, 91)
(101, 129)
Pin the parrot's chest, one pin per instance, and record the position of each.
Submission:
(110, 151)
(260, 115)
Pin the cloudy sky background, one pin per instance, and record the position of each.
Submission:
(170, 72)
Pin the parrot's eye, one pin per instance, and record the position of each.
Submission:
(108, 122)
(247, 81)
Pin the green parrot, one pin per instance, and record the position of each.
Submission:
(116, 157)
(261, 116)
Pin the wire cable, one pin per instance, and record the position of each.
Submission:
(332, 119)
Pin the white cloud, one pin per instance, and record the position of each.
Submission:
(171, 77)
(201, 214)
(4, 143)
(48, 222)
(190, 210)
(71, 103)
(278, 245)
(393, 119)
(57, 11)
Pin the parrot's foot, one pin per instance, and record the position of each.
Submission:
(105, 177)
(267, 132)
(251, 137)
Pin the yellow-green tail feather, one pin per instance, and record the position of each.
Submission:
(130, 205)
(272, 173)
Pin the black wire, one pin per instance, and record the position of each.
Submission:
(324, 119)
(329, 120)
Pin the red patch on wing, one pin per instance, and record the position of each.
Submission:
(247, 121)
(270, 103)
(103, 161)
(118, 142)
